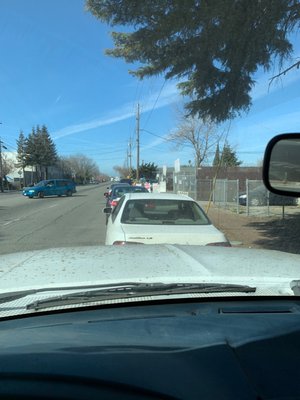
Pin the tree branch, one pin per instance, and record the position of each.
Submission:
(296, 65)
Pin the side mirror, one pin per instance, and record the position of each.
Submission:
(281, 167)
(105, 194)
(107, 210)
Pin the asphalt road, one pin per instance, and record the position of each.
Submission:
(33, 224)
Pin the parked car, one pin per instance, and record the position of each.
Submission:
(110, 188)
(51, 187)
(126, 180)
(260, 196)
(118, 191)
(160, 218)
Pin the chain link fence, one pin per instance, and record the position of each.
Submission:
(185, 183)
(248, 197)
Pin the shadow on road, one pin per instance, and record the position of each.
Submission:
(282, 234)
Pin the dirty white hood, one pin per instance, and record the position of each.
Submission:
(271, 272)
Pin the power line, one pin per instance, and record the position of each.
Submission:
(9, 145)
(157, 98)
(97, 153)
(170, 140)
(109, 159)
(154, 134)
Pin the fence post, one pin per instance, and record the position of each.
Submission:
(237, 196)
(174, 182)
(247, 196)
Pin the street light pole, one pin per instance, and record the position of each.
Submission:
(1, 167)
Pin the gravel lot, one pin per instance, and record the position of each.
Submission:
(274, 232)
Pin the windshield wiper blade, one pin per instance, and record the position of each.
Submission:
(12, 296)
(138, 290)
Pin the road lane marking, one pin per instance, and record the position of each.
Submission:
(10, 222)
(25, 216)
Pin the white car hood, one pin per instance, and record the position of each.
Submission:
(139, 263)
(65, 271)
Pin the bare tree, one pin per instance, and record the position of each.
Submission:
(7, 165)
(122, 171)
(85, 168)
(80, 167)
(202, 136)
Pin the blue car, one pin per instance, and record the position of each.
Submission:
(51, 187)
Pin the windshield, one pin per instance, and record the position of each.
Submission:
(174, 103)
(163, 212)
(119, 191)
(41, 183)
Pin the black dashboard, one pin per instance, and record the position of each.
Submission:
(241, 349)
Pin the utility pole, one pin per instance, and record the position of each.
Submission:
(130, 154)
(138, 142)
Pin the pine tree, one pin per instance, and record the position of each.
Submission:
(40, 150)
(49, 152)
(217, 159)
(21, 154)
(229, 158)
(214, 48)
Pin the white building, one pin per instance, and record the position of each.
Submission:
(15, 176)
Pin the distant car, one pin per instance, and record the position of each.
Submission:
(126, 180)
(160, 218)
(110, 188)
(51, 187)
(118, 191)
(259, 197)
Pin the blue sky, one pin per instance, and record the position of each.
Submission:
(53, 71)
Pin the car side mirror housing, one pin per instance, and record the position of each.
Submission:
(281, 166)
(107, 210)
